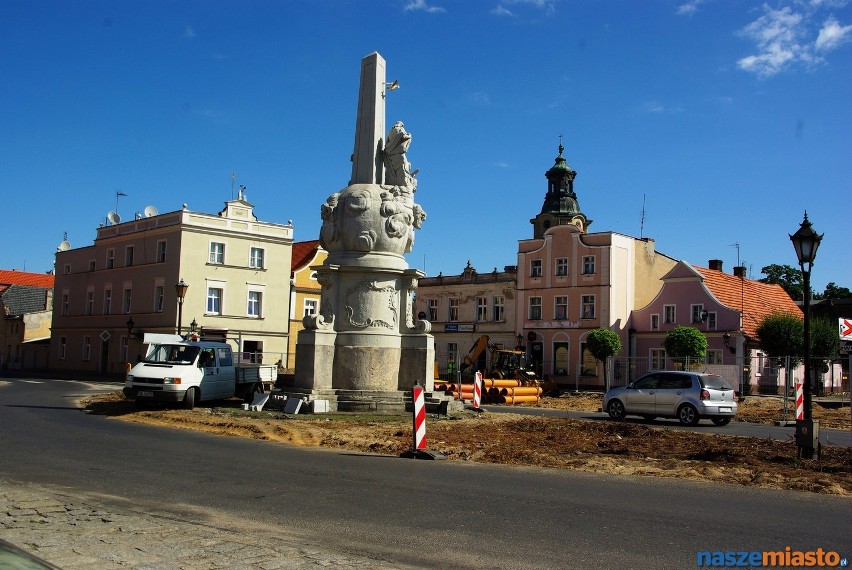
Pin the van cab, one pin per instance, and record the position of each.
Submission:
(185, 372)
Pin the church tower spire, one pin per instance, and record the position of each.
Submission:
(560, 203)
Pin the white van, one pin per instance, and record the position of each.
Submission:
(188, 372)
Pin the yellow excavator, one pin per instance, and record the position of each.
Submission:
(505, 363)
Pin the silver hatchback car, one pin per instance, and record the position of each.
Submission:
(687, 396)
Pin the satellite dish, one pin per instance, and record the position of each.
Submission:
(64, 245)
(150, 211)
(114, 218)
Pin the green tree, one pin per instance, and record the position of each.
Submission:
(685, 342)
(781, 334)
(603, 343)
(834, 291)
(788, 277)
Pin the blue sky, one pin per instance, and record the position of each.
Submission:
(726, 119)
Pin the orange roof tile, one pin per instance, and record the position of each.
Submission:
(756, 300)
(303, 253)
(23, 278)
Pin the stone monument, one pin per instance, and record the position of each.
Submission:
(364, 350)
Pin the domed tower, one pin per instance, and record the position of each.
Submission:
(560, 203)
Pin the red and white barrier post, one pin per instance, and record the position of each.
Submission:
(800, 402)
(418, 451)
(477, 390)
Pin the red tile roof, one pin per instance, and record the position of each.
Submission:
(756, 300)
(23, 278)
(303, 253)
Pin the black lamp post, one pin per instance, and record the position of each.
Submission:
(806, 242)
(180, 291)
(130, 325)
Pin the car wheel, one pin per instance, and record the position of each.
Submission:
(687, 415)
(721, 421)
(616, 410)
(189, 398)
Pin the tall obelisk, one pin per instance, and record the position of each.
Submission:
(367, 167)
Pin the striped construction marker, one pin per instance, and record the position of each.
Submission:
(800, 402)
(477, 390)
(419, 417)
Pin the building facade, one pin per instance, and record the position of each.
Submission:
(305, 291)
(26, 303)
(108, 295)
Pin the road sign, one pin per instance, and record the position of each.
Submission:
(845, 326)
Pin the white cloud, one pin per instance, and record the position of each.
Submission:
(499, 10)
(833, 35)
(549, 6)
(689, 8)
(658, 108)
(421, 5)
(480, 98)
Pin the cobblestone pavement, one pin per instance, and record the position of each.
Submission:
(76, 533)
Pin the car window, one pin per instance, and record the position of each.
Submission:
(715, 382)
(646, 382)
(675, 381)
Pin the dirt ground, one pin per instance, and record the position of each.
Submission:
(633, 448)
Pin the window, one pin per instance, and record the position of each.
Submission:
(669, 313)
(90, 302)
(311, 307)
(67, 269)
(588, 264)
(535, 309)
(217, 253)
(482, 309)
(588, 306)
(658, 358)
(214, 301)
(92, 265)
(107, 301)
(499, 308)
(127, 297)
(159, 291)
(561, 308)
(453, 312)
(256, 258)
(561, 266)
(711, 321)
(714, 356)
(254, 304)
(128, 256)
(161, 251)
(535, 268)
(64, 304)
(696, 313)
(62, 348)
(433, 310)
(655, 322)
(452, 356)
(87, 348)
(110, 259)
(123, 353)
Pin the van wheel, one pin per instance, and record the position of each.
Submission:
(688, 415)
(189, 398)
(616, 410)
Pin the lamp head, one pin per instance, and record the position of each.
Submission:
(806, 242)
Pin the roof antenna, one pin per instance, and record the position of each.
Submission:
(233, 179)
(642, 219)
(737, 245)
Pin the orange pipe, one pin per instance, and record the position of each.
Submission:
(490, 383)
(520, 399)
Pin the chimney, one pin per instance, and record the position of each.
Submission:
(715, 264)
(740, 271)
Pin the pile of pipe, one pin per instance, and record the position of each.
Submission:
(495, 391)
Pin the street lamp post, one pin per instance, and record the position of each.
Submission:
(180, 291)
(806, 242)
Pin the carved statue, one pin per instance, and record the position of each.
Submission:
(398, 170)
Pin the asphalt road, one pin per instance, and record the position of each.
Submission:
(420, 513)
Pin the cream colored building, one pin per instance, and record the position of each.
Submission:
(109, 294)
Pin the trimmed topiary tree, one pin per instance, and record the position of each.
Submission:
(603, 343)
(782, 334)
(685, 342)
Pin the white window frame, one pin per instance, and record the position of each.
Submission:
(655, 321)
(561, 267)
(107, 300)
(714, 356)
(159, 297)
(589, 265)
(90, 302)
(256, 257)
(499, 310)
(588, 310)
(535, 268)
(161, 251)
(656, 358)
(128, 255)
(110, 258)
(670, 314)
(310, 307)
(433, 310)
(696, 313)
(254, 304)
(453, 310)
(216, 254)
(127, 299)
(65, 300)
(534, 309)
(482, 309)
(560, 302)
(218, 298)
(711, 320)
